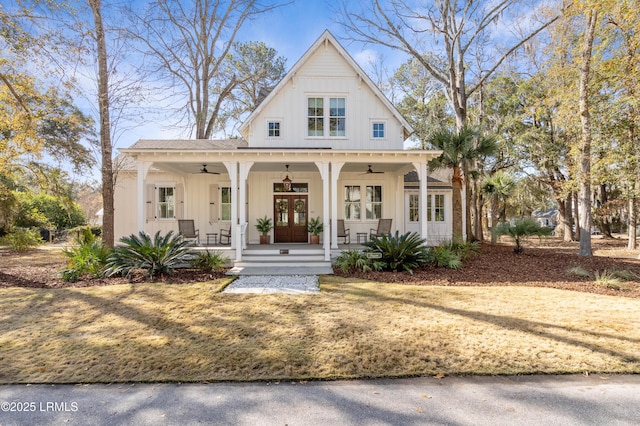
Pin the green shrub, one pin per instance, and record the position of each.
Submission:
(444, 257)
(399, 252)
(464, 249)
(22, 239)
(160, 255)
(89, 257)
(520, 230)
(354, 260)
(209, 261)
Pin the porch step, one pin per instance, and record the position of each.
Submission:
(275, 263)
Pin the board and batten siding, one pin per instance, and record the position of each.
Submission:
(338, 79)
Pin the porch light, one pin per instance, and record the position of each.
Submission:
(286, 182)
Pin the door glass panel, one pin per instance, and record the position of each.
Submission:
(300, 211)
(282, 212)
(414, 208)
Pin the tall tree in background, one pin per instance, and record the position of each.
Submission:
(189, 43)
(108, 235)
(443, 36)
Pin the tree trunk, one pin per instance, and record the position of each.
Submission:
(468, 204)
(605, 226)
(478, 212)
(575, 224)
(585, 148)
(456, 226)
(633, 222)
(105, 127)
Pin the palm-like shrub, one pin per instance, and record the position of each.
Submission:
(444, 257)
(160, 255)
(399, 252)
(463, 249)
(354, 260)
(22, 239)
(209, 261)
(89, 257)
(520, 230)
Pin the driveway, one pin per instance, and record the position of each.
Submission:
(526, 400)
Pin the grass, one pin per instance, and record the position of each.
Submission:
(160, 332)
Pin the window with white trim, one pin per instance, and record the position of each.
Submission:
(166, 202)
(273, 129)
(435, 207)
(337, 117)
(331, 121)
(352, 200)
(378, 130)
(315, 117)
(225, 203)
(373, 204)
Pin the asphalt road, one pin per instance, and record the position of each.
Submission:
(527, 400)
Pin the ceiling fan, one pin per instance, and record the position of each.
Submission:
(370, 171)
(204, 170)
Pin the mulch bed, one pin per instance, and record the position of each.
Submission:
(543, 266)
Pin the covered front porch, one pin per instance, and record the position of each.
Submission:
(228, 190)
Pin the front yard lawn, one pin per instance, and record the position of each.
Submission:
(190, 332)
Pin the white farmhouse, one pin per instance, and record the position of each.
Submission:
(324, 143)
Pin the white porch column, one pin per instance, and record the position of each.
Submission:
(232, 170)
(421, 169)
(335, 174)
(323, 167)
(143, 169)
(241, 240)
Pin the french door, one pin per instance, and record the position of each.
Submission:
(290, 218)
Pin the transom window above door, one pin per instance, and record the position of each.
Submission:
(322, 121)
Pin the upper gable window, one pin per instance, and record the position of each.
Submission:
(378, 130)
(337, 117)
(273, 129)
(315, 117)
(331, 121)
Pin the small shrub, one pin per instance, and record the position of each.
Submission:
(444, 257)
(160, 255)
(89, 257)
(354, 260)
(578, 271)
(609, 279)
(22, 239)
(464, 249)
(399, 252)
(520, 230)
(209, 261)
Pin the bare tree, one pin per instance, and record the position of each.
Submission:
(189, 43)
(442, 36)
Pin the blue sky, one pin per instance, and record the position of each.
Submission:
(291, 30)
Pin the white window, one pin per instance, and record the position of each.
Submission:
(337, 117)
(435, 208)
(331, 121)
(352, 200)
(273, 129)
(374, 202)
(414, 208)
(378, 130)
(225, 203)
(166, 202)
(315, 116)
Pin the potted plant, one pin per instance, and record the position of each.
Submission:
(264, 226)
(315, 227)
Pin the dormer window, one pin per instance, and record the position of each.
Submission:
(323, 121)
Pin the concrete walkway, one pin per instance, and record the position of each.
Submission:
(491, 401)
(269, 284)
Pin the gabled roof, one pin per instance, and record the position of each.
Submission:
(327, 37)
(189, 144)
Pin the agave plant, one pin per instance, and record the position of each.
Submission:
(399, 252)
(160, 255)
